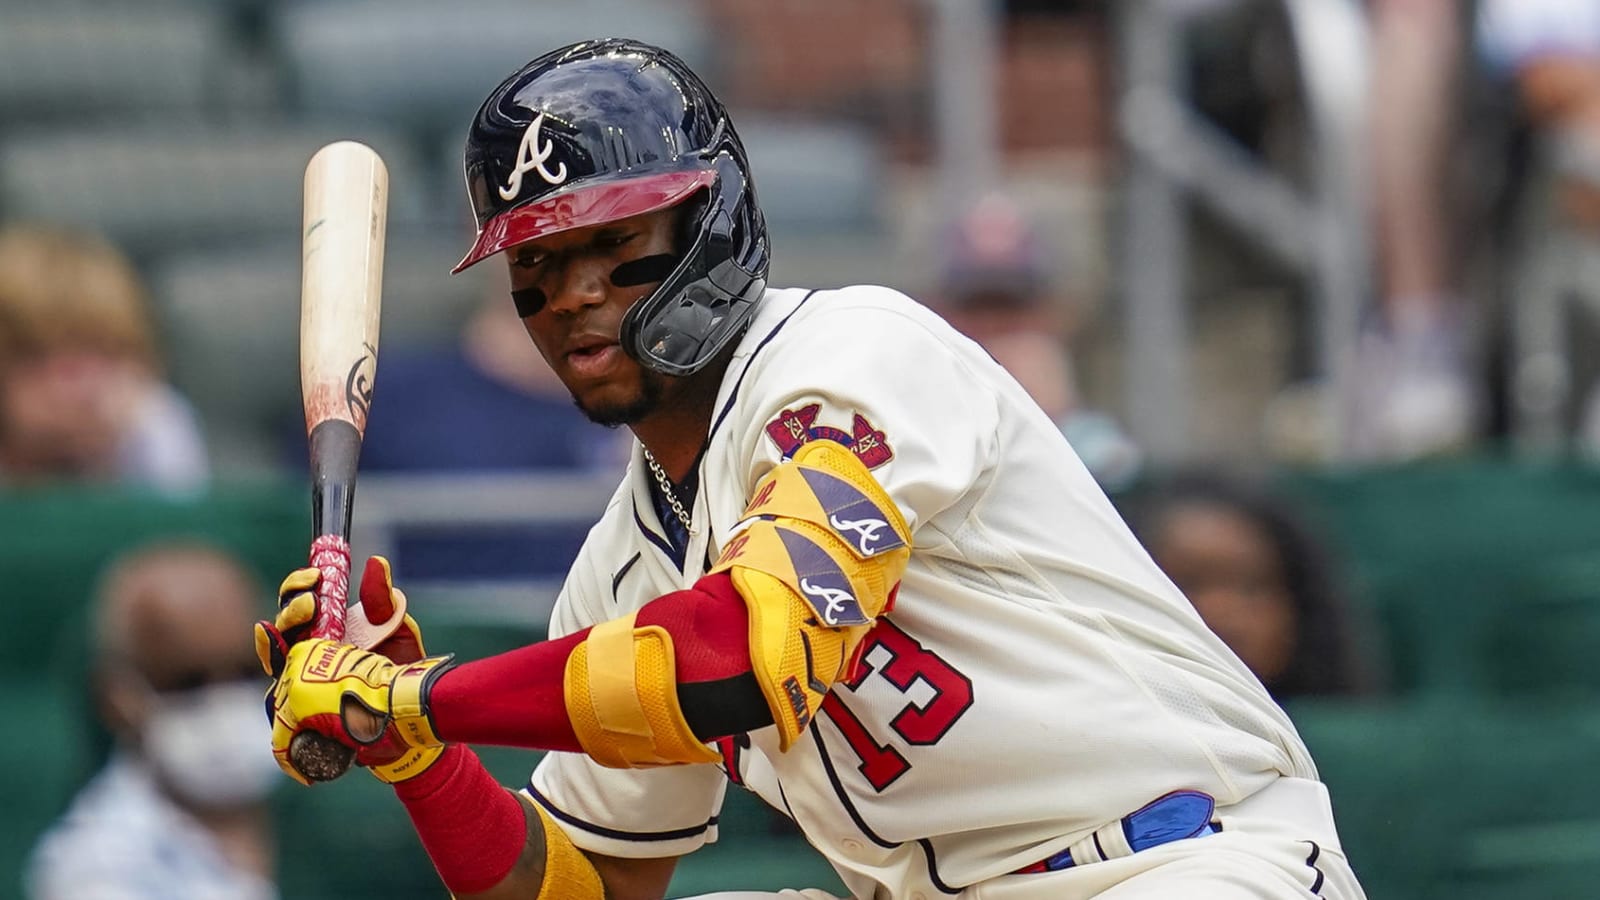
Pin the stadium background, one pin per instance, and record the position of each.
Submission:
(179, 128)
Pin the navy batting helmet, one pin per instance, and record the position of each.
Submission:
(603, 130)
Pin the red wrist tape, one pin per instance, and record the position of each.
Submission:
(473, 828)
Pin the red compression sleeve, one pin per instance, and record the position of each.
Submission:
(516, 699)
(473, 829)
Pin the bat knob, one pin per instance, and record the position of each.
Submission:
(318, 757)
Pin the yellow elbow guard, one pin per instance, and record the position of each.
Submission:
(621, 690)
(568, 874)
(815, 571)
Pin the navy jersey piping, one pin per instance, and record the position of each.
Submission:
(734, 394)
(855, 816)
(1316, 851)
(616, 580)
(617, 834)
(665, 546)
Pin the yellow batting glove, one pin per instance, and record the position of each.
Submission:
(360, 699)
(297, 606)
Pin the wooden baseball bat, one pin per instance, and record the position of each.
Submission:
(341, 280)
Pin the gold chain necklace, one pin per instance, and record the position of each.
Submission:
(666, 488)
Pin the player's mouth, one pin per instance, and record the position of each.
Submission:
(591, 357)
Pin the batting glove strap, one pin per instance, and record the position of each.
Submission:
(408, 700)
(411, 763)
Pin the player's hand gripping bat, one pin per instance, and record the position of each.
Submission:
(346, 213)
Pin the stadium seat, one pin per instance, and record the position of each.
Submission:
(1476, 571)
(1541, 645)
(1381, 765)
(1453, 800)
(429, 65)
(822, 190)
(153, 187)
(44, 770)
(77, 61)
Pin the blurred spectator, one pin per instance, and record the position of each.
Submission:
(1419, 390)
(81, 392)
(995, 287)
(1549, 51)
(1416, 389)
(487, 401)
(1551, 48)
(179, 810)
(1259, 578)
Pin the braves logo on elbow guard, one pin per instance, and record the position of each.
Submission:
(837, 601)
(826, 588)
(853, 515)
(868, 532)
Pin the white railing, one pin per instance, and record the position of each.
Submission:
(1173, 155)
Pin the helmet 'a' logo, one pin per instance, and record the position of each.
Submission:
(531, 157)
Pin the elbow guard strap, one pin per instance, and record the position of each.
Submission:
(621, 692)
(815, 570)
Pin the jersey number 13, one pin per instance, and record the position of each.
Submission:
(917, 724)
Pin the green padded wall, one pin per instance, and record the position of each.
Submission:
(1445, 799)
(1480, 574)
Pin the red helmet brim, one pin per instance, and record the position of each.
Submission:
(592, 205)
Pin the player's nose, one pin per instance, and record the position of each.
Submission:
(583, 282)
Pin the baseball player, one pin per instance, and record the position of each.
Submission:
(851, 568)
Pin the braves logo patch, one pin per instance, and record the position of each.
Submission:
(796, 427)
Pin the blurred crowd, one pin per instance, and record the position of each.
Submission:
(1470, 108)
(1482, 151)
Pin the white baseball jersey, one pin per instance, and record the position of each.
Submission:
(1037, 679)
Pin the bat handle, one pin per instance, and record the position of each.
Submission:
(316, 756)
(330, 553)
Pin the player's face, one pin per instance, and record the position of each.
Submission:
(573, 311)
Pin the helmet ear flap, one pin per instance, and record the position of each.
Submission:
(725, 237)
(719, 235)
(688, 224)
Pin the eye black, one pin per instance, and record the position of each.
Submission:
(528, 301)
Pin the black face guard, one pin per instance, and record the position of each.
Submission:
(709, 298)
